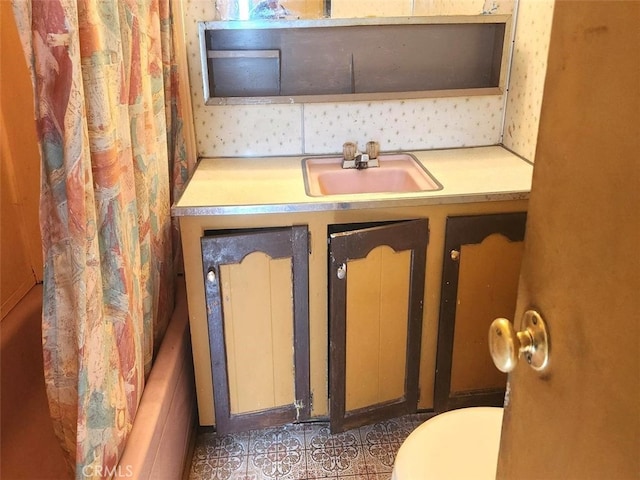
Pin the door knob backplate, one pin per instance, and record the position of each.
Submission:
(506, 345)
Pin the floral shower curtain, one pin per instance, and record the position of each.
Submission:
(110, 129)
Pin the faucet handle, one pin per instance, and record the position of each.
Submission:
(349, 150)
(373, 149)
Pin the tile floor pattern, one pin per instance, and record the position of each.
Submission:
(302, 452)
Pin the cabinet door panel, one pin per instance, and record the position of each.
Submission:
(257, 301)
(487, 289)
(256, 286)
(478, 285)
(376, 320)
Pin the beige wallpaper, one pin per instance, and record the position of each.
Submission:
(230, 9)
(403, 124)
(322, 128)
(370, 8)
(448, 7)
(399, 8)
(528, 69)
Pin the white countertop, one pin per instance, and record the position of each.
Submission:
(232, 186)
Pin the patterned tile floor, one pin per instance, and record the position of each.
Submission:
(302, 451)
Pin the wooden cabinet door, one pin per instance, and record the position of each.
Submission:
(479, 283)
(256, 285)
(376, 290)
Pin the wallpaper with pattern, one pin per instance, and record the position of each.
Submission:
(528, 70)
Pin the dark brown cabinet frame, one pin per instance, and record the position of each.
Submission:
(355, 244)
(231, 248)
(464, 231)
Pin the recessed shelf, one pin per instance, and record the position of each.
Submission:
(239, 73)
(307, 61)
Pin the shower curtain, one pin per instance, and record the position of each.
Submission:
(109, 122)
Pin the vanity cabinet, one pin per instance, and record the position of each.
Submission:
(356, 339)
(376, 290)
(481, 265)
(256, 289)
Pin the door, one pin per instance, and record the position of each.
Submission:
(256, 285)
(481, 265)
(580, 417)
(20, 241)
(376, 290)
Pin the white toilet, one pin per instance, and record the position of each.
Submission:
(459, 444)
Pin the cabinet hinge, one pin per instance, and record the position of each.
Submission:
(298, 405)
(309, 241)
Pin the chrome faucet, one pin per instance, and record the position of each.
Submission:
(362, 161)
(352, 158)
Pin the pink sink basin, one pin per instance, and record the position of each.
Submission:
(397, 173)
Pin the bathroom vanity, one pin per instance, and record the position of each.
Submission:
(307, 306)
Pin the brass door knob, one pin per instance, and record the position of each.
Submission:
(506, 345)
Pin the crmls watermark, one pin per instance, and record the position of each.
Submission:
(119, 471)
